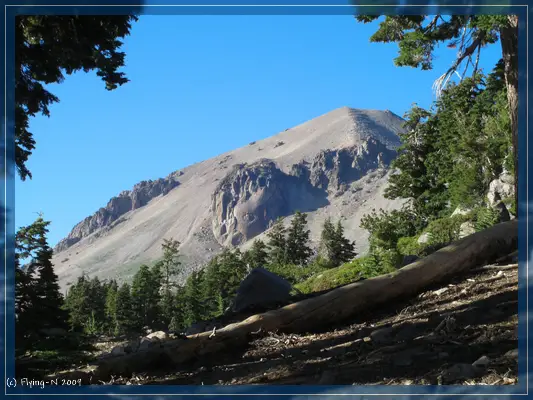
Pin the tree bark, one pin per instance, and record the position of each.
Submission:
(509, 41)
(330, 308)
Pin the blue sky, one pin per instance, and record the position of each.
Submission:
(200, 86)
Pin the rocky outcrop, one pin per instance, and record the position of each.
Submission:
(333, 170)
(252, 196)
(126, 201)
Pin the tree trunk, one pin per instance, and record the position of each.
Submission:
(509, 40)
(327, 309)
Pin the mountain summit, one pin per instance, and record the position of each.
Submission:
(335, 165)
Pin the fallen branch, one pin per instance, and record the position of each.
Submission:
(330, 308)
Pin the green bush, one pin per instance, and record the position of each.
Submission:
(409, 246)
(485, 218)
(333, 277)
(295, 273)
(444, 231)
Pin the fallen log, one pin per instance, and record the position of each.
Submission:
(332, 307)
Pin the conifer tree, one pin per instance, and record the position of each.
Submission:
(124, 315)
(297, 249)
(277, 244)
(257, 256)
(145, 298)
(39, 302)
(347, 248)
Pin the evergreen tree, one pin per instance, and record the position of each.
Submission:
(417, 36)
(124, 314)
(111, 306)
(145, 298)
(277, 244)
(38, 302)
(347, 248)
(297, 249)
(257, 256)
(47, 47)
(193, 304)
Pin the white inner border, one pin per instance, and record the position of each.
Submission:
(269, 6)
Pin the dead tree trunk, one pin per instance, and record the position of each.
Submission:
(332, 307)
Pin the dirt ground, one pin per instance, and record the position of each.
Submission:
(464, 332)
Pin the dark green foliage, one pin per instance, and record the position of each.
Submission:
(145, 297)
(47, 47)
(124, 314)
(387, 228)
(194, 309)
(485, 218)
(257, 256)
(297, 249)
(38, 302)
(277, 245)
(334, 246)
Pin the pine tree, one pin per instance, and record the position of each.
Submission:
(111, 306)
(193, 305)
(277, 244)
(347, 248)
(257, 256)
(39, 302)
(124, 315)
(145, 298)
(329, 246)
(297, 249)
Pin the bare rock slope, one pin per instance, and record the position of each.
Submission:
(336, 165)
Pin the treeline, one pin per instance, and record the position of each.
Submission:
(153, 300)
(449, 156)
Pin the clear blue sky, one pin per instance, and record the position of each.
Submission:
(200, 86)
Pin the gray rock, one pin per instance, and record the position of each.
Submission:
(460, 211)
(118, 350)
(500, 188)
(159, 335)
(424, 238)
(126, 201)
(146, 343)
(261, 288)
(466, 229)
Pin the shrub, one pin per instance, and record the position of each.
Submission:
(409, 246)
(485, 218)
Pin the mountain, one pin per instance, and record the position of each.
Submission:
(335, 165)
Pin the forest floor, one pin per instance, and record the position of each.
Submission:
(463, 332)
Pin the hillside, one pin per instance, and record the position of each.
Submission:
(334, 165)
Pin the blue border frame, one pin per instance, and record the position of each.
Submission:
(7, 200)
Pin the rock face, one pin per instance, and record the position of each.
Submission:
(251, 196)
(126, 201)
(500, 188)
(261, 288)
(332, 170)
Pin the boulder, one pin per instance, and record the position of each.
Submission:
(424, 238)
(146, 343)
(460, 211)
(500, 188)
(260, 289)
(466, 229)
(118, 350)
(159, 335)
